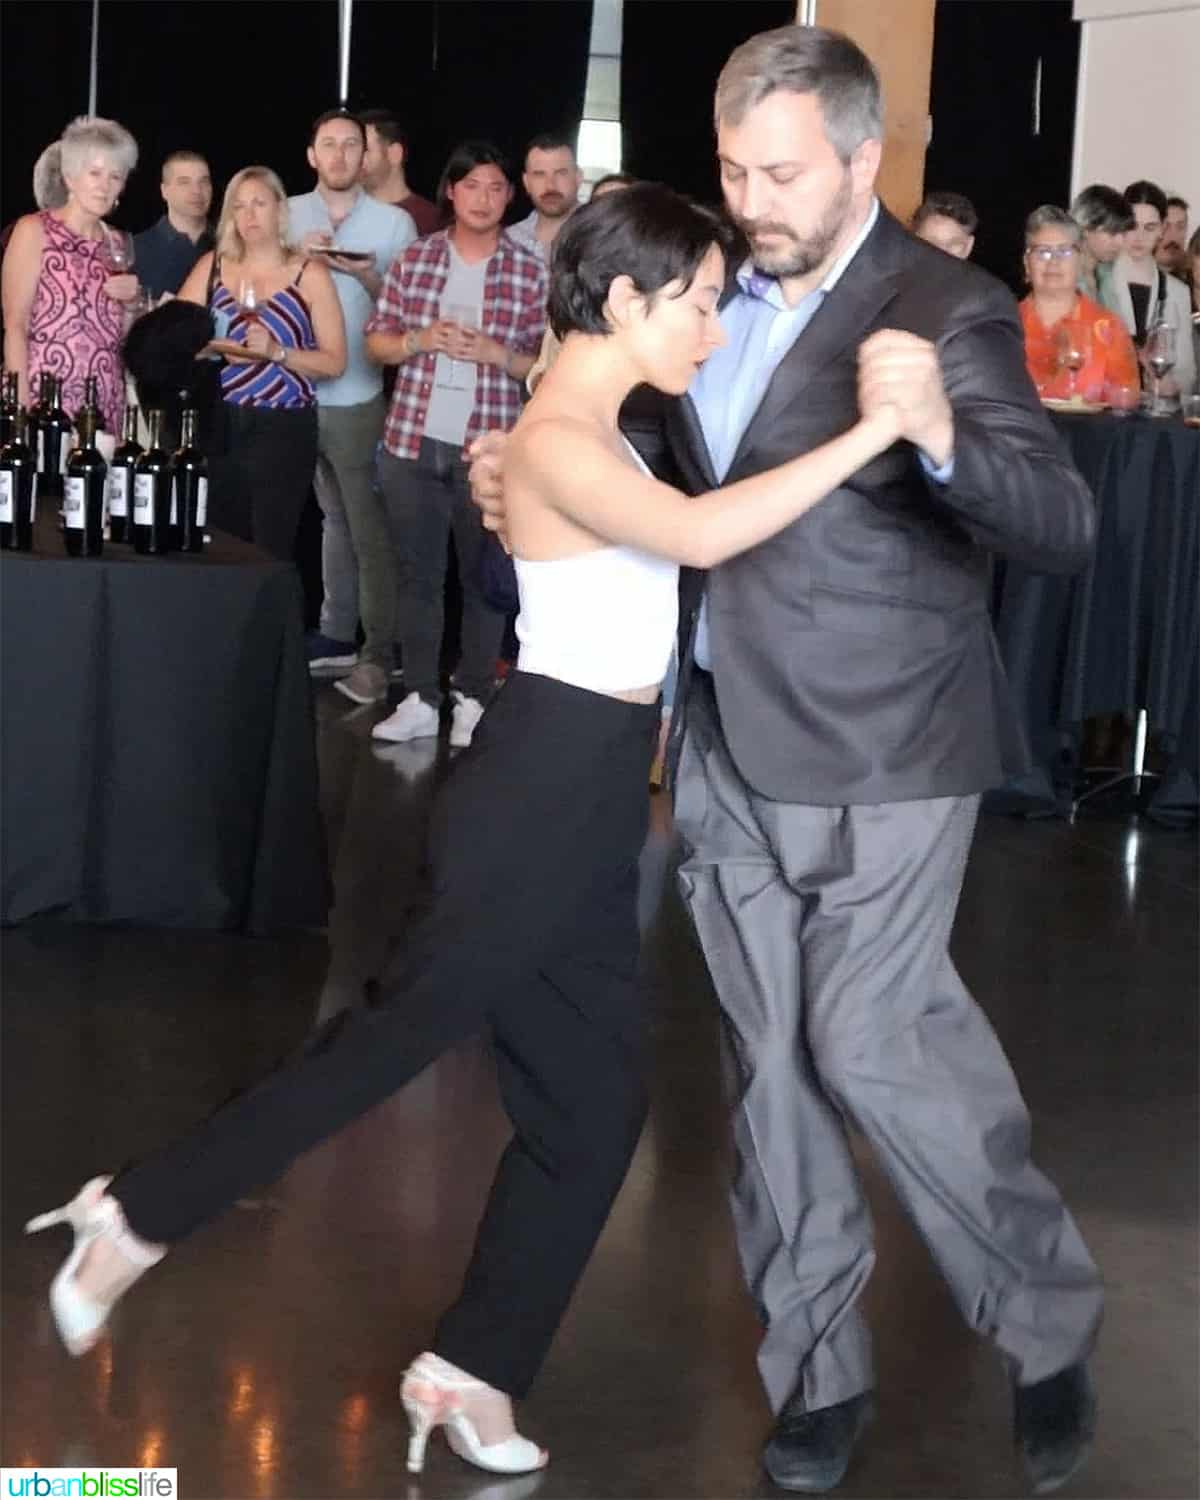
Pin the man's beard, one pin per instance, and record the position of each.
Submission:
(343, 182)
(554, 206)
(800, 255)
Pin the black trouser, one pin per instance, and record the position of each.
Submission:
(259, 487)
(531, 934)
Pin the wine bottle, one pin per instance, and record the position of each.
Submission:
(18, 487)
(120, 480)
(55, 434)
(91, 403)
(37, 415)
(189, 479)
(10, 401)
(83, 499)
(152, 493)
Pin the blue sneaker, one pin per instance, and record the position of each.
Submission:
(326, 655)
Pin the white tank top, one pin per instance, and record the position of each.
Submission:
(604, 620)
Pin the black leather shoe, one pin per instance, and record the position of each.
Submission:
(810, 1450)
(1055, 1421)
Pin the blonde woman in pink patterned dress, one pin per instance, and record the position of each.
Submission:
(64, 312)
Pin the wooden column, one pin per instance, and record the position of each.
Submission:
(897, 35)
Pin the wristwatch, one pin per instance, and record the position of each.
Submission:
(411, 343)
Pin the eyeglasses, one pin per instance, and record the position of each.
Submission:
(1047, 253)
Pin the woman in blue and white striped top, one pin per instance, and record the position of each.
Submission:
(284, 312)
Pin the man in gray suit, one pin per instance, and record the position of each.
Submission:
(843, 706)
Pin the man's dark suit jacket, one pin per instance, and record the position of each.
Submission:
(852, 655)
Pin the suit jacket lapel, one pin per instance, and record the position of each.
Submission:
(686, 437)
(865, 288)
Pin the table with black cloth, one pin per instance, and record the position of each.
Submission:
(159, 761)
(1122, 635)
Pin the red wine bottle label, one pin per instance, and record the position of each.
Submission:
(6, 497)
(202, 503)
(118, 492)
(73, 507)
(143, 499)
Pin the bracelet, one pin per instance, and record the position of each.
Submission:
(508, 359)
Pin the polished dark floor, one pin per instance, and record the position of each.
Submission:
(262, 1358)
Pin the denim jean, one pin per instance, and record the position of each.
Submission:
(428, 502)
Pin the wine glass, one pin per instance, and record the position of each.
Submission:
(248, 300)
(116, 251)
(1159, 352)
(467, 318)
(1073, 346)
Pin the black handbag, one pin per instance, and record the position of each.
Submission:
(160, 353)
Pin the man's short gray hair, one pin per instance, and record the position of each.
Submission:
(806, 60)
(89, 136)
(1050, 216)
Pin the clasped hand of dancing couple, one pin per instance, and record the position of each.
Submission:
(536, 873)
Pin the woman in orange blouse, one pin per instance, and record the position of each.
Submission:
(1052, 267)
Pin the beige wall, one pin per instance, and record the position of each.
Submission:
(897, 35)
(1137, 111)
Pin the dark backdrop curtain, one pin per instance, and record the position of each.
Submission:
(44, 52)
(242, 80)
(985, 57)
(670, 57)
(505, 70)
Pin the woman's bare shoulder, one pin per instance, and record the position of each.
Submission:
(555, 440)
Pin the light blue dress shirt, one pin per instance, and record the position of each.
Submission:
(370, 225)
(760, 329)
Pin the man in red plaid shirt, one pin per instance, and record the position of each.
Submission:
(462, 313)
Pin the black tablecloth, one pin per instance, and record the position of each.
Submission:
(1123, 634)
(159, 763)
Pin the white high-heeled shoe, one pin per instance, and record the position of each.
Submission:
(93, 1215)
(433, 1394)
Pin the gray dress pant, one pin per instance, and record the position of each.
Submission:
(358, 568)
(825, 930)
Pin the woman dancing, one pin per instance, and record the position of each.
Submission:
(532, 933)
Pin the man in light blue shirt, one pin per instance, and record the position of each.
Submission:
(761, 328)
(357, 560)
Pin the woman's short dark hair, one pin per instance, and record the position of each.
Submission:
(465, 157)
(650, 233)
(1149, 193)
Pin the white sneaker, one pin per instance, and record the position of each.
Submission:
(466, 715)
(413, 720)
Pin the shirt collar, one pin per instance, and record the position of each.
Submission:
(354, 207)
(759, 284)
(168, 230)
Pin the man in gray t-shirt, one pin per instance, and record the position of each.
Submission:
(357, 560)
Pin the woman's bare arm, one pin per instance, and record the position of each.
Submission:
(22, 267)
(573, 471)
